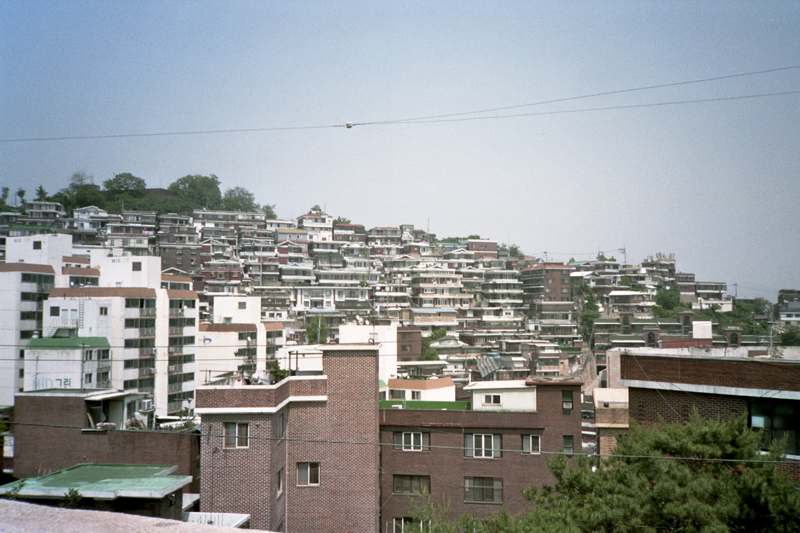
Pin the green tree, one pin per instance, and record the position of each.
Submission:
(316, 333)
(41, 194)
(703, 476)
(341, 220)
(200, 191)
(790, 336)
(239, 199)
(269, 211)
(430, 354)
(317, 210)
(21, 195)
(669, 299)
(124, 185)
(625, 281)
(589, 312)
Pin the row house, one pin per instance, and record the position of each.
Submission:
(382, 236)
(787, 309)
(318, 226)
(135, 233)
(482, 248)
(291, 251)
(351, 233)
(437, 287)
(502, 288)
(550, 282)
(390, 298)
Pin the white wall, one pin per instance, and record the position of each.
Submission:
(387, 352)
(54, 248)
(227, 307)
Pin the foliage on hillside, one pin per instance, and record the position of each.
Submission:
(126, 192)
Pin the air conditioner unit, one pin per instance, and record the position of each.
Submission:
(147, 405)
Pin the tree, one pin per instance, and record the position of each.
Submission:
(200, 191)
(41, 194)
(124, 185)
(316, 333)
(317, 210)
(341, 220)
(791, 336)
(239, 199)
(269, 211)
(703, 476)
(669, 299)
(21, 195)
(625, 280)
(430, 354)
(589, 313)
(514, 251)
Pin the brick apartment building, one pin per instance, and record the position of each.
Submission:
(477, 460)
(283, 453)
(670, 386)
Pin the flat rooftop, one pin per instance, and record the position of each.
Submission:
(104, 482)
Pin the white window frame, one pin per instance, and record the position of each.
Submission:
(412, 441)
(532, 444)
(483, 445)
(416, 395)
(407, 524)
(308, 474)
(236, 435)
(492, 399)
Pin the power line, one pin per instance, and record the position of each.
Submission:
(432, 447)
(449, 117)
(594, 95)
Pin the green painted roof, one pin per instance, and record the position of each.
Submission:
(430, 406)
(67, 343)
(104, 481)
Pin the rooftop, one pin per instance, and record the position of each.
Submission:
(104, 481)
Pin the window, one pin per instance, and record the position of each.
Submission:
(483, 489)
(406, 524)
(566, 400)
(308, 473)
(778, 420)
(396, 394)
(569, 444)
(136, 266)
(55, 311)
(37, 245)
(104, 311)
(87, 378)
(416, 394)
(412, 484)
(236, 435)
(531, 444)
(279, 482)
(405, 347)
(280, 425)
(491, 399)
(22, 372)
(482, 445)
(242, 305)
(412, 441)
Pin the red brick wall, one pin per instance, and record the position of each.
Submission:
(59, 441)
(341, 434)
(447, 466)
(754, 374)
(674, 406)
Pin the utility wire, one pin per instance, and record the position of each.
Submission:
(460, 448)
(595, 95)
(449, 117)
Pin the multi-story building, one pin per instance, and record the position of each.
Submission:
(436, 286)
(135, 233)
(283, 452)
(787, 310)
(475, 461)
(317, 225)
(549, 282)
(482, 248)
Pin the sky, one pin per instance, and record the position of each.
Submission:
(708, 171)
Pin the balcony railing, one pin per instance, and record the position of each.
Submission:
(175, 349)
(147, 351)
(176, 331)
(147, 311)
(147, 332)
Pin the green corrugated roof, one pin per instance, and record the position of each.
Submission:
(104, 481)
(67, 343)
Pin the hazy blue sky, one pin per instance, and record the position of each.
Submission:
(717, 183)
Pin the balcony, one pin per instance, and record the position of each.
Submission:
(146, 351)
(175, 349)
(148, 371)
(147, 332)
(176, 331)
(147, 311)
(176, 311)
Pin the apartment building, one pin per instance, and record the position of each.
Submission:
(549, 282)
(435, 286)
(490, 453)
(282, 452)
